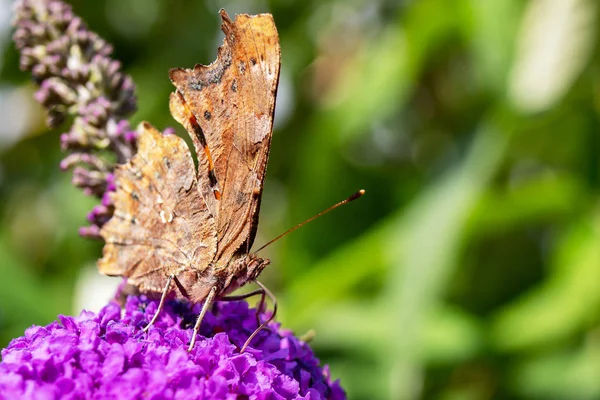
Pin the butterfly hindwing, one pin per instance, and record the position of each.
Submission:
(161, 225)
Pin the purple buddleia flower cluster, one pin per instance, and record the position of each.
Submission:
(78, 79)
(107, 356)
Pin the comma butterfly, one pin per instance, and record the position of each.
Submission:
(174, 223)
(195, 227)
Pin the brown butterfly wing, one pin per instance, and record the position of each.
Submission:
(161, 225)
(233, 101)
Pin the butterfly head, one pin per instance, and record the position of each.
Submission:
(255, 265)
(247, 269)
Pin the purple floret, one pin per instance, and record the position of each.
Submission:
(107, 356)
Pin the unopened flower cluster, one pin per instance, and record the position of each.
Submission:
(78, 79)
(106, 355)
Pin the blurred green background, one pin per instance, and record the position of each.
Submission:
(470, 270)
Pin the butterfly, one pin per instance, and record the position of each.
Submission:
(186, 229)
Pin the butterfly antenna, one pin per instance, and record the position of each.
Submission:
(333, 207)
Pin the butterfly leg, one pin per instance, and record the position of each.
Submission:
(242, 296)
(264, 324)
(261, 304)
(207, 303)
(160, 304)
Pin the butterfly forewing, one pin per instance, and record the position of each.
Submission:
(233, 100)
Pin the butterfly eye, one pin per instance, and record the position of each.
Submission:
(256, 266)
